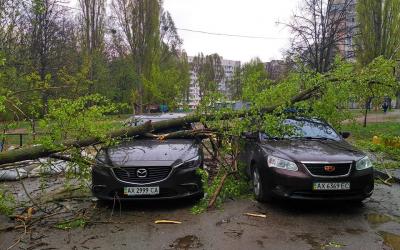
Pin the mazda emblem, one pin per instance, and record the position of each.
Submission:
(141, 173)
(329, 169)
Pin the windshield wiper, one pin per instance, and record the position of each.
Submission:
(313, 138)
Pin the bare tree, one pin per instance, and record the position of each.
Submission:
(319, 29)
(169, 39)
(46, 22)
(92, 19)
(10, 16)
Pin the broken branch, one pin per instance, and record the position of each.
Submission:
(38, 151)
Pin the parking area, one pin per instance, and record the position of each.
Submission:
(375, 224)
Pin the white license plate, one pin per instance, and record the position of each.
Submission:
(331, 186)
(138, 191)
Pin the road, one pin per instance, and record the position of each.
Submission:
(375, 224)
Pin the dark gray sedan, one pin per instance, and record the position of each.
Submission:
(314, 163)
(143, 169)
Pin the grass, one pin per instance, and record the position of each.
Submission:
(115, 122)
(362, 137)
(358, 132)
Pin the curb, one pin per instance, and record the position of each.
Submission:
(383, 175)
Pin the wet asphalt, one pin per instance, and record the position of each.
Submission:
(374, 224)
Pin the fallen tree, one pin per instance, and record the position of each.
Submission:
(38, 151)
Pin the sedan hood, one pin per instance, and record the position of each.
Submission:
(313, 150)
(151, 152)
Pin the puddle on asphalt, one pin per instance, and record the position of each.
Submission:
(376, 219)
(234, 233)
(391, 240)
(186, 242)
(223, 221)
(310, 240)
(354, 231)
(317, 244)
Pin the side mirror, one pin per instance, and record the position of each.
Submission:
(345, 135)
(250, 135)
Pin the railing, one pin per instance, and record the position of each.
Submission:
(19, 134)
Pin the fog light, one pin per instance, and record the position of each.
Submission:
(191, 187)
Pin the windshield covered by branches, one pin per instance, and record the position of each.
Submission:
(308, 129)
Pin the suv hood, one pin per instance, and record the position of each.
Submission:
(313, 150)
(151, 152)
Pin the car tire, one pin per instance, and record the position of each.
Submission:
(260, 191)
(196, 198)
(357, 202)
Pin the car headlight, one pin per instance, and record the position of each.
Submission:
(191, 163)
(364, 163)
(101, 158)
(275, 162)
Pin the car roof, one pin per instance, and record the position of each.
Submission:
(137, 120)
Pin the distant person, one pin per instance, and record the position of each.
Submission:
(385, 107)
(368, 105)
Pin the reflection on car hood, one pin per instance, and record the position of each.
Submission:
(152, 152)
(314, 150)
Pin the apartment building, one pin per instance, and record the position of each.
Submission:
(276, 69)
(229, 67)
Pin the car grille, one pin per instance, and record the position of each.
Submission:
(129, 174)
(318, 169)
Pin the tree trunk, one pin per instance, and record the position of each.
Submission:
(365, 116)
(398, 100)
(35, 152)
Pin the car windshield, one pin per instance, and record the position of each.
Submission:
(307, 129)
(311, 129)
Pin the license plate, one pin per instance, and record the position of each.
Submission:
(331, 186)
(138, 191)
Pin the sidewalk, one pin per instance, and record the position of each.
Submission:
(392, 116)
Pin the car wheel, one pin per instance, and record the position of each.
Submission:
(259, 190)
(357, 202)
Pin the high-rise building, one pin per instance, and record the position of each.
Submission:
(346, 46)
(229, 67)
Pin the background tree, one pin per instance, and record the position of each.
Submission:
(378, 23)
(318, 30)
(209, 72)
(140, 22)
(235, 85)
(374, 82)
(92, 21)
(254, 79)
(45, 28)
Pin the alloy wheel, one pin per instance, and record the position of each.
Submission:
(256, 182)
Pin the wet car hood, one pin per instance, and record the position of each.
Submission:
(313, 150)
(152, 152)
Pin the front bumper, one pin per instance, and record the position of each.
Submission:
(181, 183)
(299, 185)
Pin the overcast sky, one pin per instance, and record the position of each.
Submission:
(242, 17)
(239, 17)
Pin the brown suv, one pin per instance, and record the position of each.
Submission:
(314, 163)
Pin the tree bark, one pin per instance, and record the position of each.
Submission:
(35, 152)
